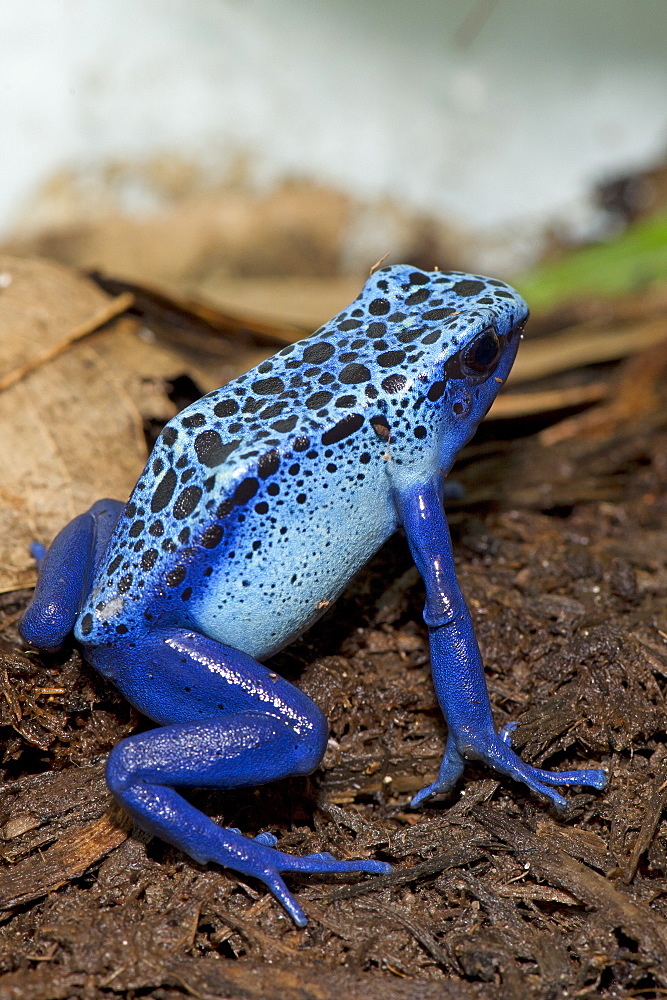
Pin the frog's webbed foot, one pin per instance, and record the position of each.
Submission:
(259, 858)
(320, 863)
(164, 812)
(270, 863)
(494, 749)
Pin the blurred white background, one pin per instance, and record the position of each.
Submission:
(497, 118)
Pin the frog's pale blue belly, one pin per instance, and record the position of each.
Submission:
(260, 604)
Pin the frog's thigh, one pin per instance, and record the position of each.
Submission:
(65, 572)
(227, 720)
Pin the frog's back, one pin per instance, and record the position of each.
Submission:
(263, 498)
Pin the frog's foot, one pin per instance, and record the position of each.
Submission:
(266, 865)
(494, 749)
(321, 863)
(162, 811)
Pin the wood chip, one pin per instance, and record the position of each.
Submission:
(67, 859)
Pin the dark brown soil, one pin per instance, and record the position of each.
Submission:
(493, 893)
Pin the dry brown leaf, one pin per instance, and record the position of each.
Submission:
(303, 302)
(71, 428)
(633, 392)
(55, 420)
(167, 306)
(64, 436)
(72, 432)
(43, 308)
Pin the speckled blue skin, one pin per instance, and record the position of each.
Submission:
(259, 503)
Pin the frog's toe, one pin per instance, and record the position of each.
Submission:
(277, 887)
(506, 732)
(323, 863)
(586, 777)
(426, 793)
(321, 856)
(451, 770)
(267, 839)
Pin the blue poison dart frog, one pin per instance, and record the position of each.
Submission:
(258, 504)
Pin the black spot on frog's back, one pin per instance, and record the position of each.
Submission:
(212, 536)
(226, 408)
(467, 287)
(354, 373)
(187, 501)
(212, 450)
(268, 386)
(348, 425)
(163, 491)
(268, 463)
(318, 354)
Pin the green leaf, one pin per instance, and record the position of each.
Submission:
(625, 264)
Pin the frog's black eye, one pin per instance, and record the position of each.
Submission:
(482, 353)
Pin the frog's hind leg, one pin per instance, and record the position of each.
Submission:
(65, 574)
(227, 722)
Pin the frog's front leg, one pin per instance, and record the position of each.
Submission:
(456, 664)
(228, 722)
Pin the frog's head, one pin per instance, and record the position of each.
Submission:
(455, 337)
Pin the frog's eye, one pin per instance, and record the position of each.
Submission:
(481, 355)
